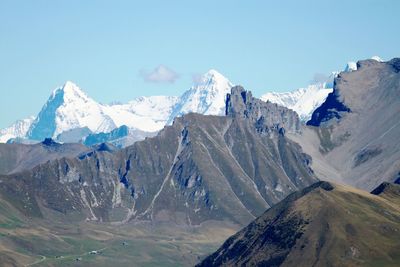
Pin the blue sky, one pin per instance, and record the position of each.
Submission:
(106, 46)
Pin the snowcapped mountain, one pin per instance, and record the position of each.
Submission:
(68, 107)
(18, 129)
(207, 96)
(70, 110)
(304, 100)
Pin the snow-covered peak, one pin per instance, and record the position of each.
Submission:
(70, 92)
(206, 96)
(17, 130)
(211, 77)
(67, 108)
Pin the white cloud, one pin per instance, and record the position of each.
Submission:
(160, 74)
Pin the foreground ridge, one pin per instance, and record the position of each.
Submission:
(324, 224)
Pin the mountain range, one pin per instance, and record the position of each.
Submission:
(351, 138)
(198, 169)
(301, 188)
(70, 115)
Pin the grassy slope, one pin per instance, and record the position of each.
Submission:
(319, 227)
(25, 241)
(347, 227)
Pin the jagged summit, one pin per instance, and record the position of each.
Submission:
(211, 76)
(266, 116)
(71, 91)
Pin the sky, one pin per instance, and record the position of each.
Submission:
(119, 50)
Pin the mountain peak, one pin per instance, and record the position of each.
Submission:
(266, 116)
(69, 84)
(206, 96)
(70, 91)
(214, 74)
(210, 78)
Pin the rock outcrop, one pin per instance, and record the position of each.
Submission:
(266, 116)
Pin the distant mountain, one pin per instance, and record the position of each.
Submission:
(17, 130)
(206, 97)
(69, 109)
(322, 225)
(304, 100)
